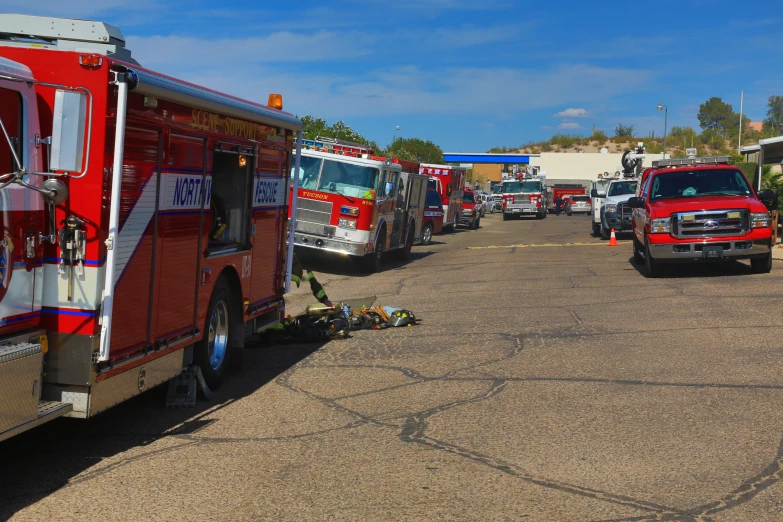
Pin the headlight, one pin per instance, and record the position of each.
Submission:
(759, 220)
(347, 223)
(660, 225)
(610, 207)
(467, 211)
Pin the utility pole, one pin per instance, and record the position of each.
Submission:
(739, 140)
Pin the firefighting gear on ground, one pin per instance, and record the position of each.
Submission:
(332, 320)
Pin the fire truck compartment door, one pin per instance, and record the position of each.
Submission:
(21, 210)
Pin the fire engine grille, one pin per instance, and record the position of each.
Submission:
(521, 199)
(313, 217)
(710, 223)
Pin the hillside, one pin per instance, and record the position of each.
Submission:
(675, 145)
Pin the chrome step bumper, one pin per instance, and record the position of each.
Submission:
(47, 410)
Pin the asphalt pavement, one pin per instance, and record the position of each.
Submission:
(549, 380)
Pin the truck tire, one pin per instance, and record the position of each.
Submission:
(540, 216)
(372, 262)
(652, 269)
(215, 352)
(638, 258)
(596, 229)
(604, 233)
(762, 265)
(477, 223)
(426, 234)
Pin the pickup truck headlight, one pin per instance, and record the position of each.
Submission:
(610, 207)
(347, 223)
(468, 211)
(759, 220)
(660, 225)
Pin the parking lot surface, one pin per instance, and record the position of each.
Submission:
(549, 380)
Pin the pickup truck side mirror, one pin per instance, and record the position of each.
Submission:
(594, 193)
(636, 202)
(767, 197)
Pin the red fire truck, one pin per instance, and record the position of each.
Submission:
(144, 223)
(353, 203)
(450, 183)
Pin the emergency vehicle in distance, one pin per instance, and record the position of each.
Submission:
(526, 195)
(700, 210)
(144, 223)
(450, 183)
(353, 203)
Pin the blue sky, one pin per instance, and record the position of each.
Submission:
(465, 74)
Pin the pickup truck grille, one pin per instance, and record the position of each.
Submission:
(713, 223)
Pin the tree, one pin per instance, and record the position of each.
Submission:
(624, 131)
(415, 149)
(715, 114)
(774, 120)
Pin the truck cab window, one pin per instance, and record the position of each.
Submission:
(11, 116)
(229, 201)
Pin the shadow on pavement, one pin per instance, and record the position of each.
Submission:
(335, 264)
(699, 269)
(41, 461)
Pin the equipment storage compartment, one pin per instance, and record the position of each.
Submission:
(20, 384)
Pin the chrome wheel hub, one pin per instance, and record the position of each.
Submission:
(217, 336)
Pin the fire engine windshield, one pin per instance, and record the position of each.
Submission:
(347, 179)
(525, 187)
(699, 183)
(622, 188)
(336, 176)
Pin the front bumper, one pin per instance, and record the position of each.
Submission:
(522, 209)
(732, 249)
(328, 244)
(617, 221)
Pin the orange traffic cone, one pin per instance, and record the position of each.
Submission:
(613, 239)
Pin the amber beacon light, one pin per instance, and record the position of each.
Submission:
(276, 101)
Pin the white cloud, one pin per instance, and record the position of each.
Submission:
(572, 113)
(569, 125)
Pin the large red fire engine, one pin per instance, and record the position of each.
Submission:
(449, 182)
(144, 223)
(353, 203)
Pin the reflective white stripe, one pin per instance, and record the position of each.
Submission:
(134, 227)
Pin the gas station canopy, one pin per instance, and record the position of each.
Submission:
(500, 158)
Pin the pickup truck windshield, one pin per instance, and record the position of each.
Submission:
(467, 197)
(622, 188)
(699, 183)
(525, 187)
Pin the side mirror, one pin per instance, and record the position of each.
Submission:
(636, 202)
(68, 129)
(767, 197)
(594, 193)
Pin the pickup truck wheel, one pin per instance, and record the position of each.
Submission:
(638, 258)
(426, 234)
(604, 233)
(477, 223)
(762, 265)
(652, 268)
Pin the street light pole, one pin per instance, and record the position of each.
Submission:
(395, 134)
(662, 107)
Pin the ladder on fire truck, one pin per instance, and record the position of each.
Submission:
(338, 146)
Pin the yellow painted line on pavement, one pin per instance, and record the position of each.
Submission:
(543, 245)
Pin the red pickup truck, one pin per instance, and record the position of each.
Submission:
(700, 210)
